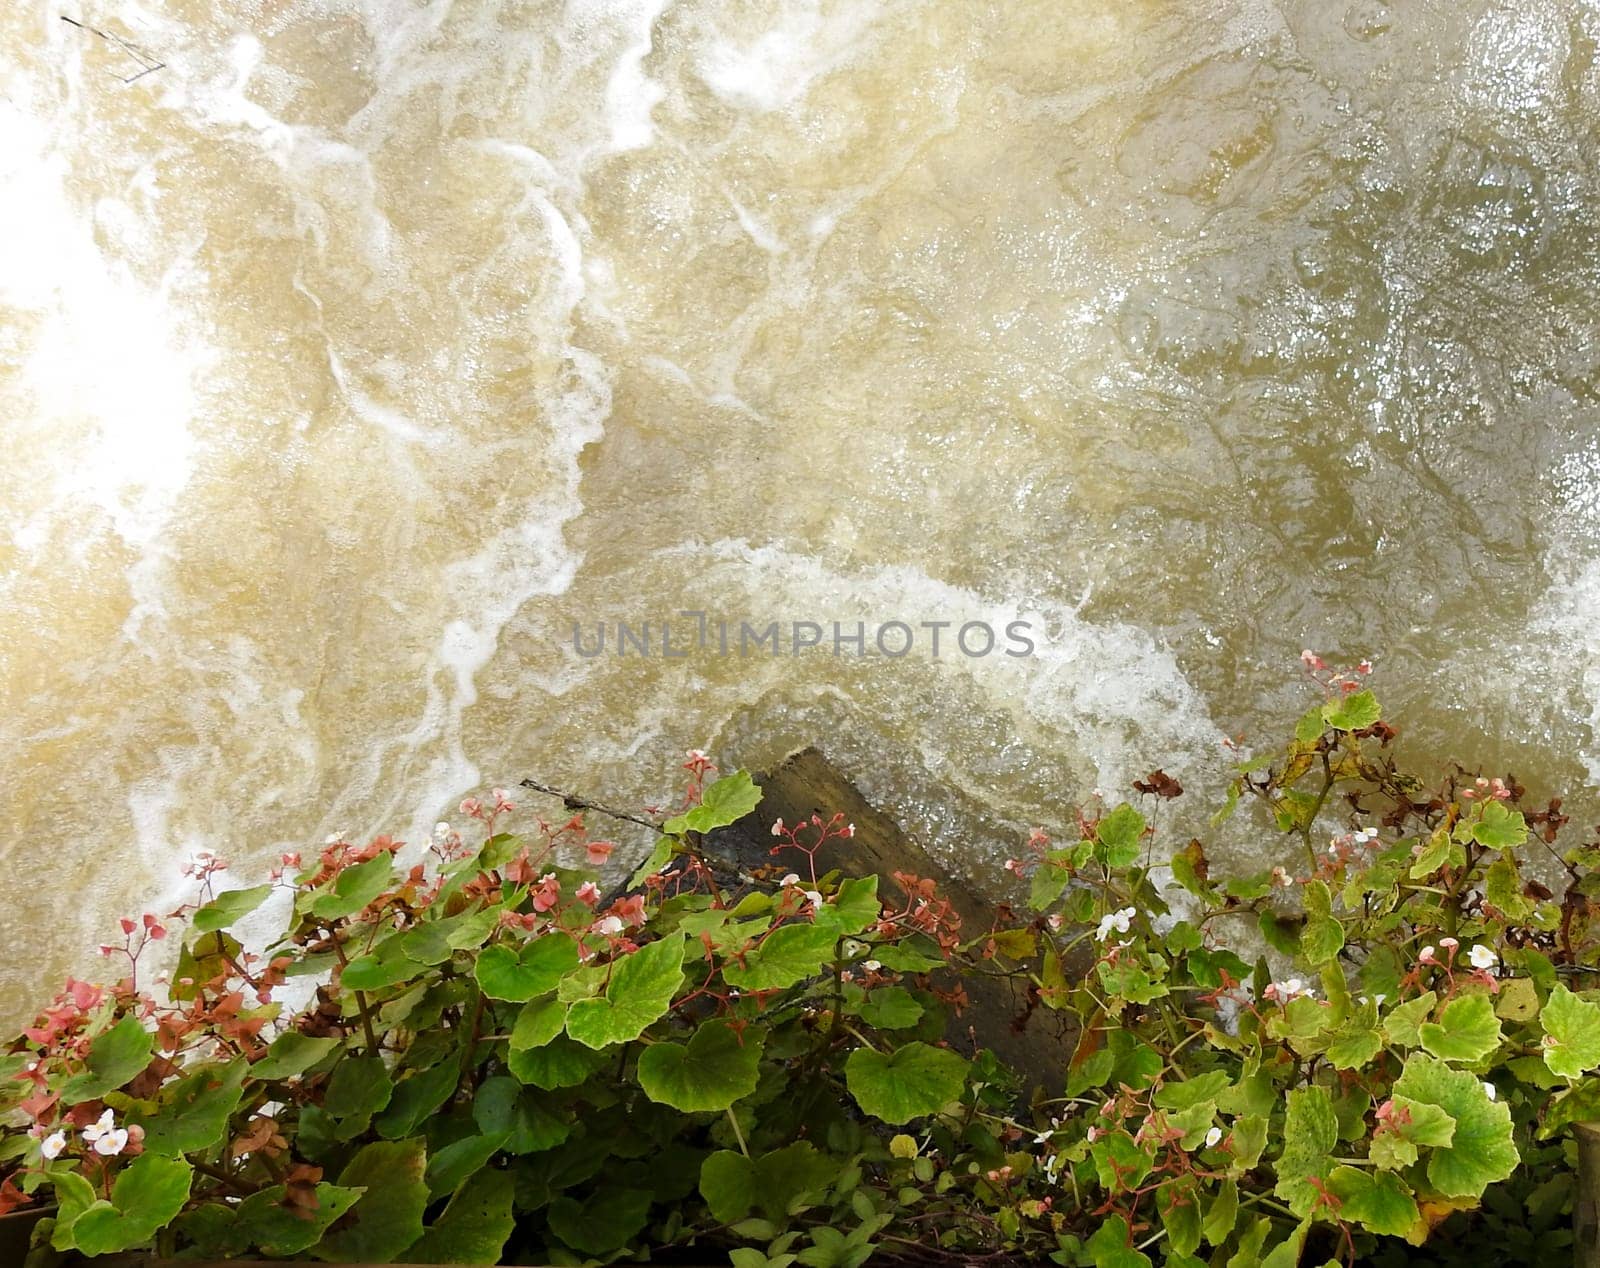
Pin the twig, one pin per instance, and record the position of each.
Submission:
(574, 802)
(147, 61)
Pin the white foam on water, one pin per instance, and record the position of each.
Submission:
(805, 41)
(1108, 691)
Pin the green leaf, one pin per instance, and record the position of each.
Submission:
(915, 1080)
(729, 1185)
(1467, 1030)
(1310, 1132)
(1119, 835)
(890, 1008)
(74, 1196)
(1191, 1092)
(147, 1196)
(1500, 828)
(474, 1227)
(354, 888)
(416, 1097)
(291, 1055)
(1376, 1200)
(449, 1166)
(1572, 1030)
(1354, 712)
(359, 1088)
(1323, 936)
(1048, 881)
(1180, 1216)
(388, 1216)
(1112, 1246)
(717, 1067)
(1402, 1027)
(115, 1056)
(1308, 730)
(606, 1222)
(537, 1024)
(1221, 1214)
(503, 1107)
(227, 907)
(385, 965)
(790, 954)
(657, 859)
(1502, 888)
(1355, 1046)
(194, 1110)
(640, 992)
(724, 802)
(853, 909)
(557, 1063)
(1481, 1151)
(262, 1219)
(535, 970)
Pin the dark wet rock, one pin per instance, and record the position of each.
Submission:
(1035, 1040)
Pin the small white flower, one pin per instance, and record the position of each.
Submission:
(611, 926)
(106, 1123)
(53, 1145)
(1483, 957)
(777, 828)
(441, 830)
(1449, 944)
(812, 897)
(793, 878)
(849, 829)
(1489, 1090)
(1116, 922)
(112, 1143)
(1213, 1138)
(1427, 954)
(871, 966)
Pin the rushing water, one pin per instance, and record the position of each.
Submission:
(351, 357)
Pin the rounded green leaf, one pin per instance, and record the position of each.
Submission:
(354, 888)
(1467, 1030)
(789, 955)
(1572, 1034)
(474, 1227)
(714, 1069)
(517, 976)
(1119, 834)
(537, 1024)
(602, 1224)
(1354, 712)
(1377, 1200)
(147, 1196)
(724, 802)
(388, 1217)
(115, 1056)
(503, 1107)
(1481, 1150)
(555, 1064)
(640, 991)
(914, 1080)
(386, 965)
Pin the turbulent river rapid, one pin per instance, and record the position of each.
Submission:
(352, 354)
